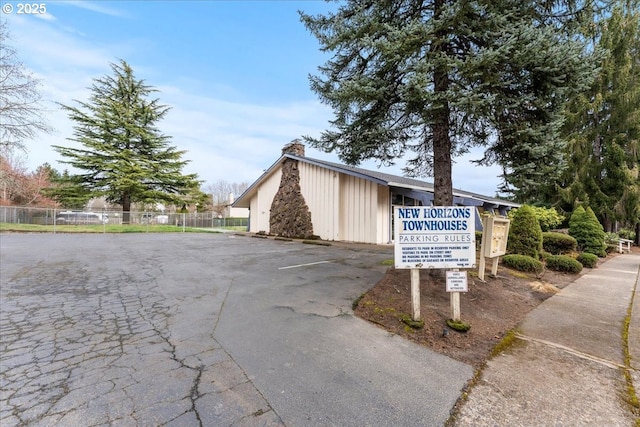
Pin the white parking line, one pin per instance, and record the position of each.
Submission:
(302, 265)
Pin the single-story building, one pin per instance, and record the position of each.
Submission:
(231, 211)
(299, 197)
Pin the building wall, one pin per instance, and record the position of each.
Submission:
(384, 215)
(231, 212)
(343, 207)
(359, 210)
(320, 188)
(261, 203)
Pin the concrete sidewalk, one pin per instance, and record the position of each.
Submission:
(568, 367)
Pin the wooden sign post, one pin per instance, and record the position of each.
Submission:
(415, 294)
(456, 283)
(433, 237)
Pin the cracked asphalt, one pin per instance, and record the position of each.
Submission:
(204, 330)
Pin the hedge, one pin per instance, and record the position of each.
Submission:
(522, 263)
(558, 243)
(587, 260)
(563, 263)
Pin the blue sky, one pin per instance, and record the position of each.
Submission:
(235, 74)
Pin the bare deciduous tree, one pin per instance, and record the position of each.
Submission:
(19, 187)
(21, 110)
(220, 191)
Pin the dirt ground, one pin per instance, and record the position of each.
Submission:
(492, 308)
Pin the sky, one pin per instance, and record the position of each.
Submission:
(235, 74)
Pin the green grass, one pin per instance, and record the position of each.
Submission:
(107, 228)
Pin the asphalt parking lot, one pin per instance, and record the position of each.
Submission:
(204, 330)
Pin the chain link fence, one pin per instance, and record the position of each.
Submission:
(53, 217)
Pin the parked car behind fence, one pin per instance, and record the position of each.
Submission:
(79, 218)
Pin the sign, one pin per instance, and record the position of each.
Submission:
(457, 281)
(435, 237)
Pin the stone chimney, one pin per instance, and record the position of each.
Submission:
(289, 215)
(295, 147)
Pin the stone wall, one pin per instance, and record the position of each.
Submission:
(290, 216)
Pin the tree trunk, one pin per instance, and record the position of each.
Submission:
(126, 208)
(637, 234)
(443, 187)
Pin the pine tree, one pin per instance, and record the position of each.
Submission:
(125, 156)
(603, 127)
(437, 77)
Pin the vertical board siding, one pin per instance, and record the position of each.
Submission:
(359, 213)
(261, 203)
(384, 215)
(319, 188)
(343, 207)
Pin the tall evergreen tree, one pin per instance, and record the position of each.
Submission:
(125, 156)
(603, 126)
(437, 77)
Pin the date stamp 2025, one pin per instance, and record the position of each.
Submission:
(24, 8)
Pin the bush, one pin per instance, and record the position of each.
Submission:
(525, 235)
(587, 260)
(611, 242)
(548, 218)
(587, 231)
(522, 263)
(544, 255)
(563, 263)
(558, 243)
(627, 233)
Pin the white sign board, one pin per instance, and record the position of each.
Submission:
(457, 281)
(435, 237)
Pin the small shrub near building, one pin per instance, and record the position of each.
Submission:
(558, 243)
(522, 263)
(588, 232)
(587, 260)
(563, 263)
(525, 235)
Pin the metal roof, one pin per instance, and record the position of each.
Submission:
(381, 178)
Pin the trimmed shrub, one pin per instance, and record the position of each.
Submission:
(563, 263)
(525, 235)
(522, 263)
(588, 232)
(544, 255)
(587, 260)
(558, 243)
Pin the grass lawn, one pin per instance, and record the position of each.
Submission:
(108, 228)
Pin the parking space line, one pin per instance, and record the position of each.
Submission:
(302, 265)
